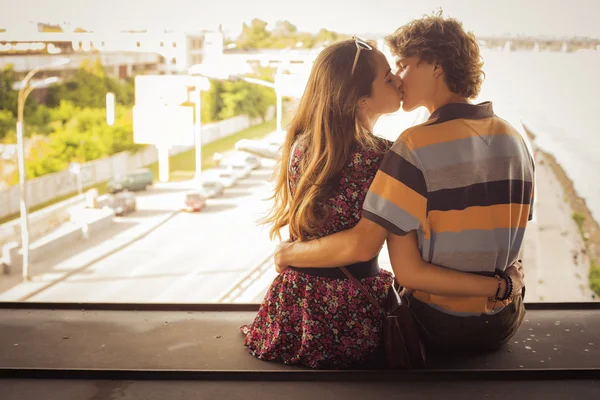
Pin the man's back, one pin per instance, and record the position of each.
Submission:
(464, 181)
(479, 177)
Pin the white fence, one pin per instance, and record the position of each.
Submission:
(51, 186)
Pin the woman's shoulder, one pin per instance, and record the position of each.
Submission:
(375, 151)
(384, 145)
(366, 159)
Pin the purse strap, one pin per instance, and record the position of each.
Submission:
(364, 290)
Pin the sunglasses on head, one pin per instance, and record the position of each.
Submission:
(360, 45)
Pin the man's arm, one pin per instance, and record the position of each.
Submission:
(412, 272)
(360, 243)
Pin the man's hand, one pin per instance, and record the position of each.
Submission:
(278, 258)
(515, 271)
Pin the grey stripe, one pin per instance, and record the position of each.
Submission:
(424, 246)
(391, 212)
(478, 240)
(469, 173)
(474, 148)
(402, 149)
(476, 262)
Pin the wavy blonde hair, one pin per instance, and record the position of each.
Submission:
(326, 127)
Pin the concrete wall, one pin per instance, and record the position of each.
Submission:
(96, 221)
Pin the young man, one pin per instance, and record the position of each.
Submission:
(455, 191)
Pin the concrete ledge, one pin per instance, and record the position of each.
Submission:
(205, 338)
(86, 222)
(40, 222)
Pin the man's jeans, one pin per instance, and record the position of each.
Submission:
(444, 332)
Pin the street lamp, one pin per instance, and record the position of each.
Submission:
(197, 90)
(24, 90)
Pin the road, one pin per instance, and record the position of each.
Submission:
(189, 257)
(222, 254)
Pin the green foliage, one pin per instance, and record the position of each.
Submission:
(7, 125)
(212, 102)
(283, 35)
(72, 127)
(594, 277)
(245, 98)
(89, 86)
(579, 219)
(8, 96)
(43, 27)
(80, 135)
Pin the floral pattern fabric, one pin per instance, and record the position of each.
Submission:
(320, 322)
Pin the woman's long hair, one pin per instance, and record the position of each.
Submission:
(326, 127)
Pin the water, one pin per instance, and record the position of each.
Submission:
(556, 96)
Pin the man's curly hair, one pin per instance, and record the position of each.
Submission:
(445, 42)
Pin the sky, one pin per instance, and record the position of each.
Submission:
(483, 17)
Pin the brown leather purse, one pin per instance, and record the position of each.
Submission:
(402, 344)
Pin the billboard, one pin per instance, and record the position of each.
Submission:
(163, 114)
(163, 125)
(291, 85)
(167, 89)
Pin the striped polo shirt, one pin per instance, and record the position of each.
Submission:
(463, 180)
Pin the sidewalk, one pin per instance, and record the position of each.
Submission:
(59, 266)
(554, 257)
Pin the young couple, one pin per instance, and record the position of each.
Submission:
(451, 197)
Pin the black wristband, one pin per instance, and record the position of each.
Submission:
(509, 288)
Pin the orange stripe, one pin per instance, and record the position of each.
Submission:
(402, 196)
(489, 217)
(423, 135)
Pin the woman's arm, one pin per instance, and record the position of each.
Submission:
(412, 272)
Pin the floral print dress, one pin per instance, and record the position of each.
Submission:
(322, 322)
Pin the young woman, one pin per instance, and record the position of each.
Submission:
(316, 317)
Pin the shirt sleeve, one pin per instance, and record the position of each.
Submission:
(531, 204)
(397, 198)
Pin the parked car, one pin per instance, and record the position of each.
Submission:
(194, 201)
(212, 189)
(241, 171)
(139, 179)
(239, 159)
(123, 202)
(222, 175)
(270, 150)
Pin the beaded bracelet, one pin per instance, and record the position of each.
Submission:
(496, 296)
(509, 288)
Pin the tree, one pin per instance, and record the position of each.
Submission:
(246, 98)
(284, 35)
(8, 96)
(42, 27)
(89, 86)
(7, 124)
(254, 36)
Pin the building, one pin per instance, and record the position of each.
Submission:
(123, 54)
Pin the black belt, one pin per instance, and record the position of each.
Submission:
(359, 270)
